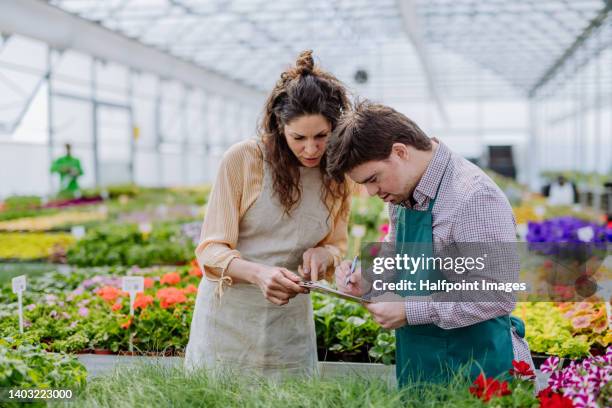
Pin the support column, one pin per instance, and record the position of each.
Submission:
(158, 132)
(50, 122)
(94, 122)
(132, 124)
(532, 153)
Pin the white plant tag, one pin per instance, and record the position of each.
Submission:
(19, 286)
(133, 285)
(78, 231)
(358, 231)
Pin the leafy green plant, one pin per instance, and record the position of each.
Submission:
(547, 331)
(126, 245)
(28, 366)
(347, 330)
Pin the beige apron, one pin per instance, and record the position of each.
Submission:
(242, 330)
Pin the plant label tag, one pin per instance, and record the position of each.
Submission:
(133, 284)
(358, 231)
(19, 284)
(78, 231)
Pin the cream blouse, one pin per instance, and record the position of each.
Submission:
(239, 182)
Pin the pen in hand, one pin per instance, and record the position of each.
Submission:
(353, 265)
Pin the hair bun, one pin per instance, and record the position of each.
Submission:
(305, 63)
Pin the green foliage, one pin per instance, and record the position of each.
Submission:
(29, 366)
(347, 329)
(22, 203)
(547, 331)
(53, 315)
(126, 245)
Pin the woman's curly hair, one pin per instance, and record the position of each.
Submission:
(303, 89)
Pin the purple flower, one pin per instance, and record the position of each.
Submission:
(53, 314)
(584, 400)
(550, 364)
(556, 380)
(582, 382)
(78, 291)
(73, 325)
(31, 307)
(84, 312)
(84, 302)
(50, 300)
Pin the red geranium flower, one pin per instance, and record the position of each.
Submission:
(127, 324)
(170, 279)
(190, 289)
(143, 301)
(170, 296)
(148, 283)
(550, 399)
(109, 293)
(522, 370)
(486, 388)
(195, 269)
(116, 307)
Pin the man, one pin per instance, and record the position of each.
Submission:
(434, 196)
(69, 169)
(562, 192)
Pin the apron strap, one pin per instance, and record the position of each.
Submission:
(518, 325)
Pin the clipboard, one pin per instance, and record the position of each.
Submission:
(317, 287)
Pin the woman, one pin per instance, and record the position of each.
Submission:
(272, 212)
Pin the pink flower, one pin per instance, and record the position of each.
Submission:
(84, 312)
(556, 381)
(550, 364)
(581, 322)
(170, 279)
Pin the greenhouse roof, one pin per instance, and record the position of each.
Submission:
(465, 48)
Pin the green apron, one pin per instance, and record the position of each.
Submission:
(432, 354)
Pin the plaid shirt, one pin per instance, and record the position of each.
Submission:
(469, 208)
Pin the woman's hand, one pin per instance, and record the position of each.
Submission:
(278, 285)
(315, 263)
(354, 286)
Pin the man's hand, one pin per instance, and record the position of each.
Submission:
(354, 286)
(390, 315)
(315, 263)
